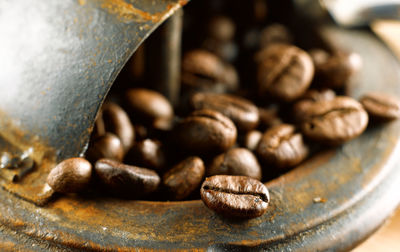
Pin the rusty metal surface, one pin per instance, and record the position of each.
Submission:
(331, 202)
(60, 59)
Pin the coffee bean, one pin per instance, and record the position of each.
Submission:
(381, 107)
(251, 139)
(70, 176)
(275, 33)
(117, 121)
(147, 153)
(336, 70)
(204, 71)
(335, 121)
(205, 132)
(242, 112)
(284, 71)
(235, 196)
(106, 146)
(236, 161)
(221, 28)
(301, 108)
(184, 178)
(126, 179)
(282, 147)
(147, 105)
(324, 94)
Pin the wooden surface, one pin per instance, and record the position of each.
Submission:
(386, 239)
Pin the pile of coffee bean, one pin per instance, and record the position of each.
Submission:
(232, 131)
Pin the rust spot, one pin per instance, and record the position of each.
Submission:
(82, 2)
(15, 139)
(127, 12)
(319, 200)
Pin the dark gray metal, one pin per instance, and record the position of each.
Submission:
(164, 58)
(59, 59)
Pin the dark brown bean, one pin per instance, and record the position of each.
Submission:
(236, 161)
(221, 28)
(148, 105)
(275, 33)
(242, 112)
(184, 178)
(70, 176)
(381, 107)
(235, 196)
(335, 121)
(284, 71)
(204, 71)
(205, 132)
(335, 70)
(251, 139)
(301, 108)
(106, 146)
(117, 121)
(126, 179)
(282, 147)
(319, 95)
(147, 153)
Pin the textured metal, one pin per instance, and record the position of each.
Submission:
(331, 202)
(59, 60)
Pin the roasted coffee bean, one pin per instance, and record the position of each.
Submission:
(70, 176)
(251, 139)
(381, 107)
(301, 108)
(235, 196)
(126, 179)
(147, 153)
(204, 71)
(221, 28)
(236, 161)
(117, 121)
(282, 147)
(163, 124)
(242, 112)
(106, 146)
(275, 33)
(205, 132)
(148, 105)
(269, 117)
(319, 95)
(284, 71)
(335, 121)
(184, 178)
(336, 70)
